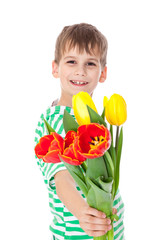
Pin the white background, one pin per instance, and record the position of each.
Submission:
(28, 33)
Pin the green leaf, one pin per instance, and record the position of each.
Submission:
(77, 175)
(48, 127)
(120, 142)
(112, 153)
(95, 117)
(114, 216)
(111, 131)
(117, 139)
(69, 122)
(74, 168)
(103, 114)
(80, 183)
(107, 184)
(99, 199)
(96, 167)
(109, 162)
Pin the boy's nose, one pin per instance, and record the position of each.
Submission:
(80, 71)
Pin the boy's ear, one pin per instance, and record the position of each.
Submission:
(103, 75)
(54, 69)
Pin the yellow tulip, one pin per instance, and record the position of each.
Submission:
(79, 102)
(115, 109)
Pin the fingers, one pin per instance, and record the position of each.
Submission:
(95, 212)
(95, 230)
(97, 220)
(94, 222)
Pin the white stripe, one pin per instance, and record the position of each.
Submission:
(117, 196)
(75, 233)
(70, 218)
(62, 229)
(58, 205)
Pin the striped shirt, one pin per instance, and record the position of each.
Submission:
(64, 225)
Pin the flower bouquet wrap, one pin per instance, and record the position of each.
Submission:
(89, 151)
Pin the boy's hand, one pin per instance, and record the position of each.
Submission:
(94, 222)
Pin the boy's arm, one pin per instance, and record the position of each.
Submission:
(92, 221)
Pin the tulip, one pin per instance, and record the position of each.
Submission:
(53, 146)
(79, 102)
(92, 140)
(115, 109)
(69, 154)
(49, 148)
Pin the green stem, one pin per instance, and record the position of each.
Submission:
(84, 166)
(110, 234)
(103, 237)
(117, 138)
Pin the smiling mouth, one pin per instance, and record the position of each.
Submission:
(78, 83)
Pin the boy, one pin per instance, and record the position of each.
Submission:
(80, 63)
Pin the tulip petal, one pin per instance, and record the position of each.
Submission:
(79, 102)
(45, 142)
(70, 136)
(52, 157)
(39, 151)
(57, 143)
(70, 160)
(42, 147)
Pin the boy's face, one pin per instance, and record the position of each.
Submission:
(78, 72)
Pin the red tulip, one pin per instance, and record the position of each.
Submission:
(92, 140)
(49, 147)
(69, 154)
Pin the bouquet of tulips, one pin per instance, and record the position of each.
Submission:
(89, 150)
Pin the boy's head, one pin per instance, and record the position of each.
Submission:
(84, 37)
(80, 60)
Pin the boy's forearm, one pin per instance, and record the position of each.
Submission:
(68, 193)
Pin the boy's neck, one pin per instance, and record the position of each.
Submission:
(65, 101)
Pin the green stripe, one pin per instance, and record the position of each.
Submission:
(78, 237)
(118, 226)
(60, 130)
(72, 229)
(117, 235)
(120, 207)
(57, 121)
(52, 118)
(67, 214)
(56, 231)
(48, 111)
(49, 169)
(39, 132)
(50, 195)
(56, 200)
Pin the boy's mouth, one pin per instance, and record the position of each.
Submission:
(80, 83)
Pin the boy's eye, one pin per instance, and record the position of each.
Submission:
(91, 64)
(71, 61)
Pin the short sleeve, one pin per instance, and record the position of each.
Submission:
(48, 169)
